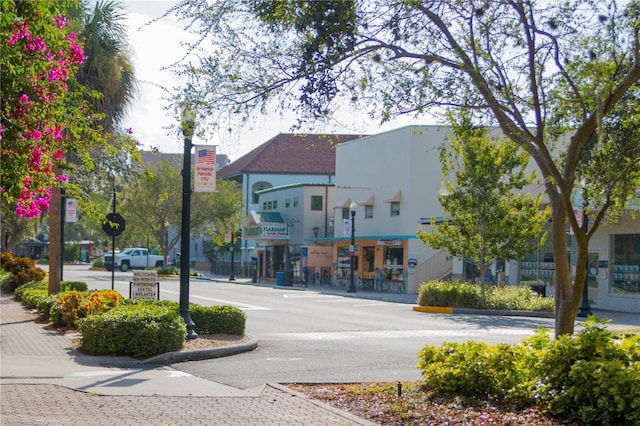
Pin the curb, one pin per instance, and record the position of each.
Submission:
(200, 354)
(451, 310)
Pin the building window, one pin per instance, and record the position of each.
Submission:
(625, 264)
(287, 202)
(269, 205)
(275, 204)
(345, 212)
(368, 212)
(316, 202)
(395, 208)
(264, 206)
(295, 201)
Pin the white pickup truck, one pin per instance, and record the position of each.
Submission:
(131, 258)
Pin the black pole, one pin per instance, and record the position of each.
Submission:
(585, 309)
(352, 253)
(232, 276)
(63, 213)
(187, 131)
(113, 241)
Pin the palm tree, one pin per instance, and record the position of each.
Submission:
(107, 68)
(108, 71)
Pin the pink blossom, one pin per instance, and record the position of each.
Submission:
(63, 178)
(24, 99)
(60, 21)
(57, 154)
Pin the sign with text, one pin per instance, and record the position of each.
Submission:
(204, 179)
(145, 285)
(71, 210)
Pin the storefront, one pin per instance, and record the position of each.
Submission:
(380, 264)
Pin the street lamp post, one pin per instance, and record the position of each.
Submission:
(352, 249)
(188, 124)
(584, 310)
(232, 276)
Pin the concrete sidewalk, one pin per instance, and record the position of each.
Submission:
(46, 380)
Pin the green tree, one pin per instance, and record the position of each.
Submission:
(153, 205)
(548, 74)
(491, 215)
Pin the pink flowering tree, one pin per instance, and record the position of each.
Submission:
(44, 112)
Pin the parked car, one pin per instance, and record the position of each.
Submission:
(131, 258)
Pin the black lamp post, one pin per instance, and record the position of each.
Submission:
(585, 309)
(352, 249)
(232, 276)
(316, 229)
(188, 125)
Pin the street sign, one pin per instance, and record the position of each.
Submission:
(115, 218)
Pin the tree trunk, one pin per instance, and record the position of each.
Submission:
(55, 241)
(568, 292)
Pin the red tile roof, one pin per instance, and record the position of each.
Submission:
(290, 153)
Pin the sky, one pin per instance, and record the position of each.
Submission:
(156, 46)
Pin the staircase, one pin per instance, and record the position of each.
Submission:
(437, 267)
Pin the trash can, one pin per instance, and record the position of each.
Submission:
(280, 278)
(541, 289)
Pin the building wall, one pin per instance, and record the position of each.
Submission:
(404, 160)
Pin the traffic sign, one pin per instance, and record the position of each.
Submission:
(116, 219)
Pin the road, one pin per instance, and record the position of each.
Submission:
(309, 336)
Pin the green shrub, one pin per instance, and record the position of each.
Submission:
(465, 295)
(22, 269)
(475, 369)
(137, 330)
(73, 285)
(98, 262)
(591, 377)
(4, 280)
(449, 293)
(218, 319)
(167, 270)
(33, 297)
(41, 285)
(516, 298)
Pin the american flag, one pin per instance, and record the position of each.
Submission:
(206, 156)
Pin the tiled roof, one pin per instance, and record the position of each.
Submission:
(290, 153)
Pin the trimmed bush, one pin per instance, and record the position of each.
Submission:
(41, 285)
(98, 262)
(218, 319)
(592, 377)
(449, 293)
(474, 369)
(22, 269)
(137, 331)
(460, 294)
(73, 285)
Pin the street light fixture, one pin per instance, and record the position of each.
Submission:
(188, 124)
(352, 249)
(316, 229)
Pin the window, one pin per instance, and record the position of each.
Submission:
(287, 202)
(269, 205)
(368, 212)
(316, 202)
(295, 201)
(395, 208)
(625, 264)
(264, 206)
(345, 212)
(275, 204)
